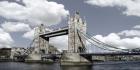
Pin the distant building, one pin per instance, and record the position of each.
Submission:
(17, 51)
(5, 53)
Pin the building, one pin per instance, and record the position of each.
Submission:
(5, 53)
(17, 51)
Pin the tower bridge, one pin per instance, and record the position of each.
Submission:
(77, 38)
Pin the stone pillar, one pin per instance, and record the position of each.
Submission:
(39, 44)
(75, 42)
(75, 39)
(73, 59)
(43, 44)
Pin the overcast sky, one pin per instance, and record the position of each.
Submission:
(116, 22)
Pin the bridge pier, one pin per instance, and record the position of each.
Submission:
(76, 42)
(73, 59)
(40, 46)
(33, 58)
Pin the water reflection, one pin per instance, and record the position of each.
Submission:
(37, 66)
(76, 67)
(56, 66)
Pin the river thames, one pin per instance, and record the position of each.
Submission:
(56, 66)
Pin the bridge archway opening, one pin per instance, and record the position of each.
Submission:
(59, 42)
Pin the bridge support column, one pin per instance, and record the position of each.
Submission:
(33, 58)
(74, 59)
(76, 43)
(36, 55)
(40, 45)
(75, 40)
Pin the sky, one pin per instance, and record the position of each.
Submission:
(115, 22)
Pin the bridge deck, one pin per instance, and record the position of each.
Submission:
(114, 53)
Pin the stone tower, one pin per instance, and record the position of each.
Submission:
(76, 43)
(39, 45)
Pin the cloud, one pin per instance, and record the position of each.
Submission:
(137, 27)
(133, 32)
(5, 39)
(29, 34)
(61, 42)
(115, 40)
(131, 6)
(130, 33)
(130, 39)
(15, 27)
(34, 11)
(18, 0)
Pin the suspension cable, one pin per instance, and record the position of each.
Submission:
(97, 45)
(95, 39)
(99, 42)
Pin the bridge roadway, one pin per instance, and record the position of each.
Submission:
(88, 56)
(101, 54)
(92, 54)
(111, 53)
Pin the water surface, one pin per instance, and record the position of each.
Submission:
(56, 66)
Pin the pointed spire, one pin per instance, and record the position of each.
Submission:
(77, 15)
(77, 12)
(84, 21)
(42, 24)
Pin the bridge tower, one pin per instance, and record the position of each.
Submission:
(39, 45)
(76, 43)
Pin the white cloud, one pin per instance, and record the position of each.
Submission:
(137, 27)
(116, 41)
(18, 0)
(134, 32)
(130, 33)
(29, 34)
(130, 40)
(34, 11)
(48, 29)
(61, 42)
(106, 3)
(5, 39)
(15, 26)
(131, 6)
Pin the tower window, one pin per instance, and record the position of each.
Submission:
(77, 20)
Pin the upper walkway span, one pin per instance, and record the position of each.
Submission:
(60, 32)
